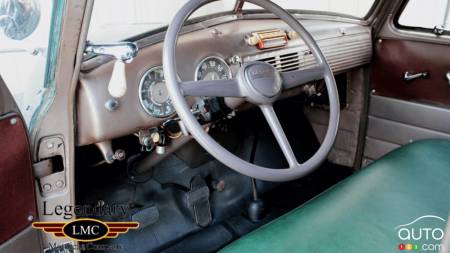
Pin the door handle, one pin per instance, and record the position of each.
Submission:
(447, 76)
(407, 77)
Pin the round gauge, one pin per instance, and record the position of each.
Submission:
(153, 94)
(213, 68)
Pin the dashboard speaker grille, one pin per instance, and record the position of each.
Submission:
(284, 62)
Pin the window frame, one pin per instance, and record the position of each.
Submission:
(53, 48)
(413, 28)
(368, 17)
(39, 94)
(365, 17)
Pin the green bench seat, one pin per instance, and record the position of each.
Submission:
(361, 213)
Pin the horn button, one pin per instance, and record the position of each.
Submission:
(262, 79)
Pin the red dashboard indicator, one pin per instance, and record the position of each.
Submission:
(401, 246)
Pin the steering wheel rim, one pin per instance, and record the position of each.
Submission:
(259, 84)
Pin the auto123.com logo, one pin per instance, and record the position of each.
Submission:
(424, 234)
(86, 230)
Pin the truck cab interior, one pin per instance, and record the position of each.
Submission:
(265, 126)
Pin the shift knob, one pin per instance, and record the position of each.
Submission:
(256, 210)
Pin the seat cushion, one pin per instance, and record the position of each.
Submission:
(363, 212)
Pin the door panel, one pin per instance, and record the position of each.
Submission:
(18, 204)
(17, 191)
(394, 57)
(401, 112)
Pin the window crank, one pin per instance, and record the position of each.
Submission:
(410, 77)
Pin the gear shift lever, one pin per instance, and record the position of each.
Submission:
(255, 208)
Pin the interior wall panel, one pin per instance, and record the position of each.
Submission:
(394, 122)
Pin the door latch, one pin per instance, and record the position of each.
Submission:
(408, 77)
(50, 171)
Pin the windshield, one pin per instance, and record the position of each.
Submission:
(114, 20)
(356, 8)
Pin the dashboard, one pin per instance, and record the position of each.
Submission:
(211, 53)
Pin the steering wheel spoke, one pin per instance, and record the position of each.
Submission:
(296, 78)
(280, 136)
(212, 88)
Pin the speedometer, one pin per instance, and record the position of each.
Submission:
(153, 94)
(213, 68)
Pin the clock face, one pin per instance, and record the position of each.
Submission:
(213, 68)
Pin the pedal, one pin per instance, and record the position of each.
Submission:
(198, 200)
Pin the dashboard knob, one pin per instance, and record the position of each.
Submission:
(119, 155)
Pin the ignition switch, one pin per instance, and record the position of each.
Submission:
(145, 140)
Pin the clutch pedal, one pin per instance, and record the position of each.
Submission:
(198, 200)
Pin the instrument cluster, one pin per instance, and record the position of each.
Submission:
(153, 94)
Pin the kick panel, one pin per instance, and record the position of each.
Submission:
(393, 123)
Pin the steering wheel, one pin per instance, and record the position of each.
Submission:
(258, 83)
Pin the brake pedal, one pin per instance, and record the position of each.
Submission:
(198, 200)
